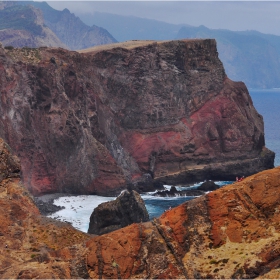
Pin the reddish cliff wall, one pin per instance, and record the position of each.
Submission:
(90, 122)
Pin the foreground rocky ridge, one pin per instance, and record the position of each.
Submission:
(144, 112)
(232, 232)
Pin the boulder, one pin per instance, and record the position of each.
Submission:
(127, 209)
(208, 186)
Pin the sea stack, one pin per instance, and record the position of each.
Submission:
(96, 120)
(126, 209)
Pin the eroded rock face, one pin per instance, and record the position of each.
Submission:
(9, 163)
(232, 232)
(126, 209)
(91, 122)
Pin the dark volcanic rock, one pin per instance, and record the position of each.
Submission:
(47, 207)
(208, 186)
(127, 209)
(93, 121)
(174, 192)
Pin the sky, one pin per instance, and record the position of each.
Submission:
(263, 16)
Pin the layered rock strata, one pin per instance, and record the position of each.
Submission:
(126, 209)
(232, 232)
(90, 122)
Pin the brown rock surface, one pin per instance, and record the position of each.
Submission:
(90, 122)
(232, 232)
(32, 246)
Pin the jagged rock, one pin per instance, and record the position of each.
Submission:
(232, 232)
(208, 186)
(128, 208)
(120, 111)
(174, 192)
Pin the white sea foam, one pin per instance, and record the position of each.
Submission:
(78, 209)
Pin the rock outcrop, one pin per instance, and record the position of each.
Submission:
(174, 192)
(208, 186)
(90, 122)
(229, 233)
(232, 232)
(126, 209)
(29, 241)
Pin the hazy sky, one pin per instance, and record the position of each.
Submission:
(263, 16)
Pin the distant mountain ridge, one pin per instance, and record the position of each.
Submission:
(22, 26)
(70, 29)
(35, 24)
(248, 56)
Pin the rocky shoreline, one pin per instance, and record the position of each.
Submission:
(45, 203)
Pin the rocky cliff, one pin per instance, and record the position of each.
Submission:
(28, 240)
(232, 232)
(142, 111)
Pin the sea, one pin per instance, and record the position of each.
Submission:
(78, 209)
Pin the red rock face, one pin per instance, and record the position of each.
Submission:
(90, 122)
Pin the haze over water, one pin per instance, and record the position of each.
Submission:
(267, 103)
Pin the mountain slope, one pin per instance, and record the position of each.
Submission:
(70, 29)
(125, 28)
(22, 26)
(35, 24)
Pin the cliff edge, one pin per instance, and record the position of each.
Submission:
(93, 121)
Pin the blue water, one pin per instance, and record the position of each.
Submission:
(267, 103)
(78, 209)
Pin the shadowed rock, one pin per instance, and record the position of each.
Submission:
(208, 186)
(9, 163)
(128, 208)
